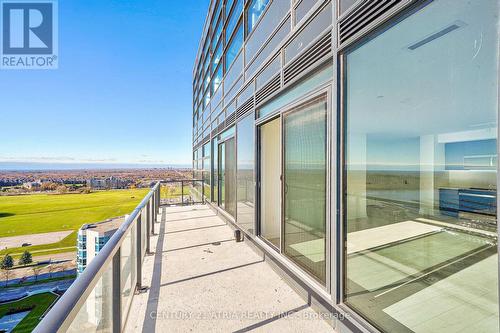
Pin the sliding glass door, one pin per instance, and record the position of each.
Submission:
(293, 158)
(270, 183)
(227, 176)
(304, 190)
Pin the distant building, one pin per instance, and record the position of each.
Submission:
(92, 238)
(32, 185)
(107, 183)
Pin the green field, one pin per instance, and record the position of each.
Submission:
(174, 190)
(41, 213)
(40, 304)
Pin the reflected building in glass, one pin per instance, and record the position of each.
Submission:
(355, 144)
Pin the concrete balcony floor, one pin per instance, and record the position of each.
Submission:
(201, 280)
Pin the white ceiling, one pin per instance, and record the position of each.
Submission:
(445, 86)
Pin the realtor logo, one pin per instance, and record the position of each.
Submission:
(29, 34)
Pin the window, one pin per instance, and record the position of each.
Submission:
(215, 173)
(206, 170)
(217, 56)
(420, 143)
(217, 33)
(233, 20)
(217, 78)
(255, 10)
(245, 175)
(234, 47)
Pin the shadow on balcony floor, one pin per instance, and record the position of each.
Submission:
(201, 280)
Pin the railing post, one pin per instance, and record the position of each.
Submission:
(117, 299)
(182, 193)
(151, 216)
(158, 201)
(148, 228)
(139, 252)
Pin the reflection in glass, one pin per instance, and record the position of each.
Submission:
(215, 174)
(128, 262)
(234, 47)
(304, 133)
(96, 313)
(270, 184)
(206, 170)
(217, 57)
(227, 176)
(421, 161)
(245, 174)
(255, 10)
(233, 20)
(217, 79)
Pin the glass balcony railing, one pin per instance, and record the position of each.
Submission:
(100, 299)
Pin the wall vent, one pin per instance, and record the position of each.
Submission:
(230, 119)
(270, 88)
(319, 51)
(363, 15)
(206, 139)
(246, 108)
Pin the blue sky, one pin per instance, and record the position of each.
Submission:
(122, 93)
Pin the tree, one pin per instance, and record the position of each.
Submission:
(62, 189)
(7, 262)
(48, 186)
(50, 268)
(26, 258)
(36, 271)
(6, 274)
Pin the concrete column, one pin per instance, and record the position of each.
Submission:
(432, 162)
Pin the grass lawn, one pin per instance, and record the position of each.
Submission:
(174, 190)
(40, 302)
(41, 213)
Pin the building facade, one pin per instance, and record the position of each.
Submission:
(109, 183)
(92, 238)
(355, 142)
(90, 241)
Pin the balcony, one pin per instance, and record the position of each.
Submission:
(179, 269)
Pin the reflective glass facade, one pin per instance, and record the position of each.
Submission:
(421, 171)
(355, 143)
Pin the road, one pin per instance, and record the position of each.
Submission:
(12, 293)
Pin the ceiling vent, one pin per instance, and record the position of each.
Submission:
(438, 34)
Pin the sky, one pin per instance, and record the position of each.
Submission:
(122, 92)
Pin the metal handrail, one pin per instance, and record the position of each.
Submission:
(182, 182)
(60, 317)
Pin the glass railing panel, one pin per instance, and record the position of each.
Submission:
(144, 229)
(96, 313)
(127, 271)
